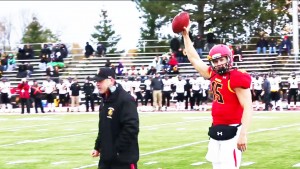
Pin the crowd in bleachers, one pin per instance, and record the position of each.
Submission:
(167, 65)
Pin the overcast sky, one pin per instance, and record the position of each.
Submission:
(75, 19)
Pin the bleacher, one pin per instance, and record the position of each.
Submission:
(81, 67)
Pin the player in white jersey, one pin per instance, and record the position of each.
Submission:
(68, 82)
(275, 95)
(62, 92)
(5, 94)
(257, 82)
(49, 87)
(293, 82)
(166, 94)
(195, 94)
(204, 88)
(179, 84)
(148, 95)
(126, 84)
(137, 91)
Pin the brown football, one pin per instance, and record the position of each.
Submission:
(180, 21)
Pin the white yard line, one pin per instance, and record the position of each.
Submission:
(198, 163)
(296, 165)
(40, 125)
(195, 143)
(150, 163)
(43, 139)
(59, 162)
(21, 161)
(247, 163)
(79, 134)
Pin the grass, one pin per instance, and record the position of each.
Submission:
(167, 141)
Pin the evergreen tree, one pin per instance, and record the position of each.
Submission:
(105, 34)
(35, 33)
(236, 17)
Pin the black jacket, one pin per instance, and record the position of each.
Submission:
(75, 88)
(88, 88)
(117, 139)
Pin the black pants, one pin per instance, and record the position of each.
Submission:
(148, 96)
(113, 165)
(89, 98)
(166, 95)
(23, 102)
(267, 99)
(292, 93)
(139, 97)
(187, 101)
(195, 100)
(38, 103)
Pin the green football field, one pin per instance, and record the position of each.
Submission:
(167, 141)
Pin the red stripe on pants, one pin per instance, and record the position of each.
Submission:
(234, 156)
(132, 166)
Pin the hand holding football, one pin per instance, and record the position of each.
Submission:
(180, 21)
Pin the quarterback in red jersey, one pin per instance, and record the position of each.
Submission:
(231, 107)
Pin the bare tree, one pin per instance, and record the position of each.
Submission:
(5, 31)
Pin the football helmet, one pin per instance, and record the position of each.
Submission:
(217, 52)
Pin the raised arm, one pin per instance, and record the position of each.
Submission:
(193, 56)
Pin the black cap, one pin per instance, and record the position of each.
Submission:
(104, 73)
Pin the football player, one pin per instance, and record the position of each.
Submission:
(231, 106)
(257, 82)
(293, 82)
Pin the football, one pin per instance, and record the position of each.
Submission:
(180, 21)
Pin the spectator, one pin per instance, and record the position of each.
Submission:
(4, 63)
(156, 63)
(108, 63)
(172, 63)
(286, 45)
(261, 45)
(101, 50)
(89, 50)
(11, 62)
(175, 45)
(238, 54)
(164, 62)
(143, 72)
(113, 67)
(43, 62)
(199, 45)
(29, 69)
(28, 52)
(272, 46)
(120, 69)
(64, 51)
(210, 39)
(22, 71)
(55, 75)
(151, 71)
(20, 54)
(45, 52)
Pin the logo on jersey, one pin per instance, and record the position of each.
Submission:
(110, 112)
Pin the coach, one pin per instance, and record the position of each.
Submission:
(117, 140)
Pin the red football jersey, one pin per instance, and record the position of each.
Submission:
(226, 108)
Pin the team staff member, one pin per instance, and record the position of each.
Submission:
(88, 89)
(231, 106)
(24, 95)
(117, 140)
